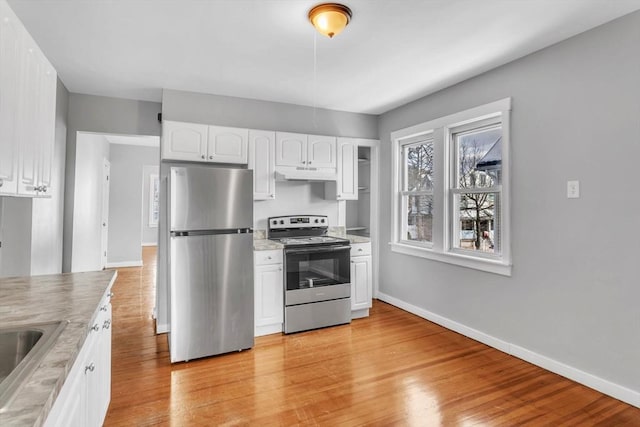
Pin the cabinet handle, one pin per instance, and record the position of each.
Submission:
(304, 163)
(103, 308)
(270, 195)
(210, 157)
(44, 188)
(203, 156)
(1, 182)
(111, 294)
(360, 250)
(95, 328)
(89, 368)
(106, 324)
(269, 257)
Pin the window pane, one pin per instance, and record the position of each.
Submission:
(419, 218)
(479, 158)
(477, 222)
(419, 166)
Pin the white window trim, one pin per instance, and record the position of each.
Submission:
(440, 249)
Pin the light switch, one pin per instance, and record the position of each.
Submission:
(573, 189)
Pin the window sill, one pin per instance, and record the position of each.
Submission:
(488, 265)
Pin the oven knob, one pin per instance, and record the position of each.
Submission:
(281, 221)
(316, 220)
(322, 220)
(275, 222)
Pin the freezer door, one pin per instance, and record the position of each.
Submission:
(211, 295)
(208, 198)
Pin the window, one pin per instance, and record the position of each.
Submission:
(451, 189)
(417, 191)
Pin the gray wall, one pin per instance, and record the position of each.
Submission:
(149, 234)
(125, 201)
(106, 115)
(254, 114)
(31, 229)
(573, 295)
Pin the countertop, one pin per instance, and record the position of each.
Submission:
(270, 245)
(27, 300)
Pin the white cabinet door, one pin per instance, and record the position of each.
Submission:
(347, 181)
(86, 393)
(269, 295)
(321, 151)
(10, 51)
(291, 149)
(47, 126)
(227, 145)
(262, 161)
(28, 127)
(69, 409)
(361, 282)
(184, 141)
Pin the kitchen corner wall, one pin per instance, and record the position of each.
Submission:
(89, 113)
(31, 229)
(572, 300)
(253, 114)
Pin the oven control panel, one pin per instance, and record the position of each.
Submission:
(300, 221)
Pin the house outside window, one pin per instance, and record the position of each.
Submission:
(451, 189)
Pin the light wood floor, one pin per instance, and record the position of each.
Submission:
(392, 368)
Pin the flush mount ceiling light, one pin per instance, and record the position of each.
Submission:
(330, 18)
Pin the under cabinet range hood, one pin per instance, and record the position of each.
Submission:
(305, 175)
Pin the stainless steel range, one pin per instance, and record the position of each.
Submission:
(316, 272)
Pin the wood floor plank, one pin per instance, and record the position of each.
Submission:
(392, 368)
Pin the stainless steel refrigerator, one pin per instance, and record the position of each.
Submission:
(211, 261)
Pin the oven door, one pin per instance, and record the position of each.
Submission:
(317, 273)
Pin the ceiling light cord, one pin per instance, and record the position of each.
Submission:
(315, 79)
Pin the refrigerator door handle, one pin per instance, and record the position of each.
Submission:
(211, 232)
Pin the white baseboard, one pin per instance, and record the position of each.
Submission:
(632, 397)
(150, 244)
(268, 330)
(122, 264)
(162, 328)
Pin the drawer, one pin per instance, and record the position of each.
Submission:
(267, 257)
(360, 249)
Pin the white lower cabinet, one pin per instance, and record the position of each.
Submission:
(269, 292)
(84, 398)
(361, 280)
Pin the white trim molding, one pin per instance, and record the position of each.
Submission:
(627, 395)
(123, 264)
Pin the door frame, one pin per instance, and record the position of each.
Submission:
(104, 241)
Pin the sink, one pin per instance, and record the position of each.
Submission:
(21, 350)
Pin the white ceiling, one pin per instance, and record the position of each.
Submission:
(393, 52)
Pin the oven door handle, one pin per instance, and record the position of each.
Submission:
(317, 249)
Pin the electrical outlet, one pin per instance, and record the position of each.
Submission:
(573, 189)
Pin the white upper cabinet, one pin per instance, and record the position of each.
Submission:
(305, 151)
(321, 151)
(291, 149)
(227, 145)
(262, 161)
(27, 111)
(347, 180)
(203, 143)
(184, 141)
(9, 76)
